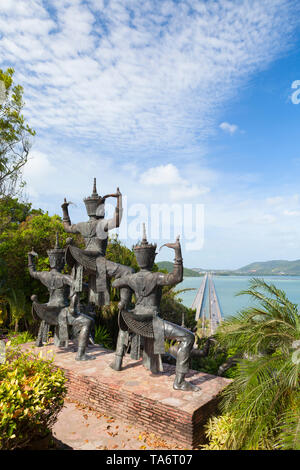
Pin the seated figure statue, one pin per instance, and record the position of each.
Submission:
(61, 309)
(144, 320)
(91, 260)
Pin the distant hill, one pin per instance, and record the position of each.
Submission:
(168, 266)
(260, 268)
(279, 267)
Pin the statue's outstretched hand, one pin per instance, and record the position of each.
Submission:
(174, 245)
(65, 204)
(32, 253)
(116, 194)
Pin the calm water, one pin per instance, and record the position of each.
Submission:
(228, 286)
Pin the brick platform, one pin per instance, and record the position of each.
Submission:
(139, 397)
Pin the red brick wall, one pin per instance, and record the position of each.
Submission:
(167, 421)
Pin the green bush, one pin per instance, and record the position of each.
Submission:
(209, 364)
(31, 396)
(20, 338)
(102, 337)
(219, 430)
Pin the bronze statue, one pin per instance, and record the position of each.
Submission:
(144, 320)
(62, 308)
(92, 260)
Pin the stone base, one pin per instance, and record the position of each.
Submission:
(139, 397)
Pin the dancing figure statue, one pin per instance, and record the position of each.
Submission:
(91, 260)
(144, 320)
(62, 308)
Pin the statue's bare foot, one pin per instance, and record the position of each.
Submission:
(185, 386)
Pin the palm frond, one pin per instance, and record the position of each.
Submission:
(290, 427)
(267, 379)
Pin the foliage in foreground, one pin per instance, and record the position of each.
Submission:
(220, 433)
(31, 396)
(19, 338)
(262, 403)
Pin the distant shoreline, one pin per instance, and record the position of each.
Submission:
(215, 273)
(266, 268)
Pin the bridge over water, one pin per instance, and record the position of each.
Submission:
(210, 322)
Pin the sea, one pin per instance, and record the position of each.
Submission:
(227, 288)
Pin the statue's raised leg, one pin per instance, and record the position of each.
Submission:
(186, 339)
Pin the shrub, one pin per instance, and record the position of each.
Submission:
(209, 364)
(102, 337)
(20, 338)
(31, 396)
(219, 431)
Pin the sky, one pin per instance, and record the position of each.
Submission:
(184, 103)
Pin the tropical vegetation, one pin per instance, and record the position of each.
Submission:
(261, 407)
(32, 393)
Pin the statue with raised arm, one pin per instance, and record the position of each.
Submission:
(62, 308)
(144, 320)
(91, 260)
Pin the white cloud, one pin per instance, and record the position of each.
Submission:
(184, 192)
(161, 175)
(38, 172)
(168, 176)
(291, 213)
(230, 128)
(275, 201)
(135, 75)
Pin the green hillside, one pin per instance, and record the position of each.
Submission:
(272, 267)
(168, 266)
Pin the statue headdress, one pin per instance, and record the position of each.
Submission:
(94, 201)
(145, 252)
(56, 255)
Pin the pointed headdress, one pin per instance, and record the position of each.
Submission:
(56, 255)
(94, 201)
(145, 252)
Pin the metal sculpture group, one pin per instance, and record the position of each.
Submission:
(142, 326)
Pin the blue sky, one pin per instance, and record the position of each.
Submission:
(185, 102)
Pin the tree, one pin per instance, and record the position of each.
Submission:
(263, 400)
(24, 228)
(15, 135)
(12, 213)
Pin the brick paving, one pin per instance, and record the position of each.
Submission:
(81, 428)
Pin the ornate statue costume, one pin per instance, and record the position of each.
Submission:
(59, 311)
(144, 319)
(92, 260)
